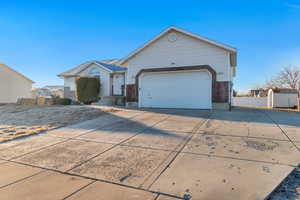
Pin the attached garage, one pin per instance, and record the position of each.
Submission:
(176, 89)
(179, 69)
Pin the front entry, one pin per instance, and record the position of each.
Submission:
(117, 84)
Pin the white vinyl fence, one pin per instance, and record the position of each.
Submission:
(250, 101)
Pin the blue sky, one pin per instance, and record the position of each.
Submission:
(43, 38)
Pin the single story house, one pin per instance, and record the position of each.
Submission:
(13, 85)
(175, 69)
(48, 91)
(260, 92)
(282, 98)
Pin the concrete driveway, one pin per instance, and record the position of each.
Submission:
(159, 154)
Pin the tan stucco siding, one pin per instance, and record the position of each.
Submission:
(13, 86)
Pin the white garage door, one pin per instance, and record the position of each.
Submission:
(175, 90)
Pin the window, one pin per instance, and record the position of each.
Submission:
(94, 72)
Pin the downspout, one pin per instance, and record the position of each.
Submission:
(232, 74)
(230, 97)
(298, 96)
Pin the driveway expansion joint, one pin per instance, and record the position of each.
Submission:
(79, 189)
(274, 189)
(37, 150)
(64, 139)
(89, 178)
(282, 131)
(161, 170)
(108, 125)
(118, 144)
(22, 179)
(195, 129)
(242, 159)
(243, 136)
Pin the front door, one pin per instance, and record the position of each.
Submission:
(118, 82)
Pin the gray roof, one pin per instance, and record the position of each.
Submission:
(107, 64)
(112, 67)
(110, 61)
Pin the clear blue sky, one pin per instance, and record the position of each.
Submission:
(43, 38)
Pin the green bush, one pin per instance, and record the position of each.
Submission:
(63, 101)
(88, 89)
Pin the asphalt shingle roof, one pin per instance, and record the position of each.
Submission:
(108, 64)
(112, 67)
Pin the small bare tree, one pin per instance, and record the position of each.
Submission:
(288, 77)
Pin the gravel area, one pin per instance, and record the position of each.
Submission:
(18, 120)
(289, 189)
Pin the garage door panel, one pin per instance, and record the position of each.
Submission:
(175, 90)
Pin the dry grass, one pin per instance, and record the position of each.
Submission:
(18, 120)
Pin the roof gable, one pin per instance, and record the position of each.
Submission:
(14, 71)
(111, 67)
(173, 28)
(102, 64)
(75, 70)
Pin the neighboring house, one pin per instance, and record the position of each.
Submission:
(40, 92)
(260, 92)
(176, 69)
(56, 90)
(54, 87)
(13, 85)
(282, 97)
(48, 91)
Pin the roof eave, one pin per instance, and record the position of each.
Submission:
(28, 79)
(218, 44)
(66, 75)
(119, 71)
(96, 63)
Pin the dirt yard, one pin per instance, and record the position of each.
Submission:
(18, 120)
